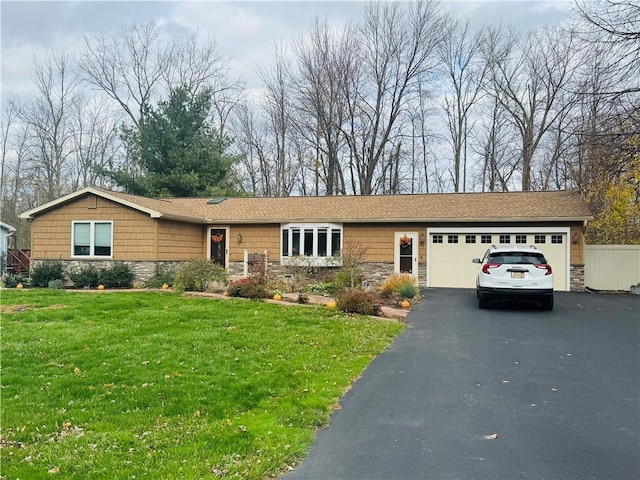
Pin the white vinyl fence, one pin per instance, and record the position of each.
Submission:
(611, 267)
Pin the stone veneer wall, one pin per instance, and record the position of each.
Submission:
(142, 271)
(373, 273)
(576, 275)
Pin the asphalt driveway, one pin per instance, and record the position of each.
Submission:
(507, 393)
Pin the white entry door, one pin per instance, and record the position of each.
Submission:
(406, 253)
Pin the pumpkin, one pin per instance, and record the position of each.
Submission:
(19, 286)
(165, 286)
(405, 303)
(100, 287)
(331, 304)
(277, 296)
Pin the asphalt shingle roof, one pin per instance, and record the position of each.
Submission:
(460, 207)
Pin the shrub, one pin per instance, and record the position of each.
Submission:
(356, 301)
(248, 288)
(303, 298)
(160, 277)
(408, 290)
(118, 275)
(196, 276)
(56, 284)
(350, 273)
(322, 288)
(395, 282)
(43, 273)
(346, 278)
(87, 276)
(11, 280)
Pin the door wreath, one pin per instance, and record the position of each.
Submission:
(217, 238)
(405, 241)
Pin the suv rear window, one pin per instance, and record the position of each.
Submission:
(514, 258)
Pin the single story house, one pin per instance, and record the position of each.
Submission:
(431, 236)
(6, 231)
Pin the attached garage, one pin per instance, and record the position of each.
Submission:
(450, 251)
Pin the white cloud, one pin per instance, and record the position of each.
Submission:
(246, 32)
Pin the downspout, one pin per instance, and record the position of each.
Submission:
(5, 250)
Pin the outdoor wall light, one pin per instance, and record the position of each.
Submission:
(576, 237)
(423, 239)
(239, 238)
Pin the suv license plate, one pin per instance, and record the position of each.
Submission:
(517, 274)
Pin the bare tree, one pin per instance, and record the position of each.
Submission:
(528, 74)
(15, 185)
(464, 71)
(325, 59)
(7, 125)
(139, 67)
(398, 48)
(616, 24)
(278, 109)
(50, 120)
(494, 140)
(95, 142)
(128, 68)
(253, 171)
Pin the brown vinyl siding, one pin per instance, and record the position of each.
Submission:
(180, 241)
(133, 231)
(255, 239)
(378, 240)
(577, 249)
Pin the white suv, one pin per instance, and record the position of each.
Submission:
(513, 273)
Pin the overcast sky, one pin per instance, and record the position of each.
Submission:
(245, 32)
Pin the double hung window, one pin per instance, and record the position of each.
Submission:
(92, 239)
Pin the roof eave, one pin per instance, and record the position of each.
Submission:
(401, 220)
(31, 214)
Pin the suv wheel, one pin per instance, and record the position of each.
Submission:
(482, 301)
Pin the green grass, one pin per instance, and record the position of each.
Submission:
(154, 385)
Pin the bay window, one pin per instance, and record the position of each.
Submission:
(319, 242)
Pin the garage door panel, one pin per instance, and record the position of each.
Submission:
(450, 255)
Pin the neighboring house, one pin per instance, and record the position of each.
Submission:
(431, 236)
(5, 232)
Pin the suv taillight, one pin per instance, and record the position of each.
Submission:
(487, 266)
(544, 265)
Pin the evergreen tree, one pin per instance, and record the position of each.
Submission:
(176, 151)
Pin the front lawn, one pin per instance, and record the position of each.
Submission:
(155, 385)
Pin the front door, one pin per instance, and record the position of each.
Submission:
(218, 246)
(406, 253)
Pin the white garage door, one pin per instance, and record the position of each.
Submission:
(450, 251)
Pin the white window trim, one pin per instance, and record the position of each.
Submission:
(311, 260)
(92, 242)
(415, 265)
(226, 229)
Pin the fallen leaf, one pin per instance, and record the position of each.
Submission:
(493, 436)
(54, 470)
(76, 370)
(554, 389)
